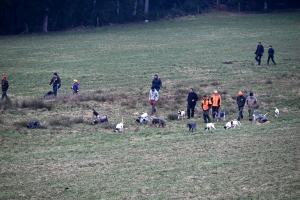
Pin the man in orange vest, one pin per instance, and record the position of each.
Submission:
(206, 105)
(216, 101)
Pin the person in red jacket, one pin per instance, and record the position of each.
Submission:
(216, 101)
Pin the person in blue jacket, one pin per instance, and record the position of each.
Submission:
(259, 52)
(75, 87)
(156, 82)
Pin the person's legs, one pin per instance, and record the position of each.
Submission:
(188, 111)
(193, 110)
(157, 89)
(3, 95)
(214, 109)
(240, 113)
(205, 116)
(55, 90)
(259, 59)
(268, 59)
(273, 60)
(250, 110)
(153, 110)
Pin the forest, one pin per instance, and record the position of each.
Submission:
(35, 16)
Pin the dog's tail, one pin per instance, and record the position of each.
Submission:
(265, 114)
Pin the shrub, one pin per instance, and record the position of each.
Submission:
(62, 121)
(172, 116)
(35, 104)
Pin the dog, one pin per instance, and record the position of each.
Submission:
(100, 120)
(260, 117)
(50, 93)
(143, 119)
(159, 122)
(210, 126)
(192, 126)
(276, 112)
(181, 114)
(220, 116)
(232, 124)
(34, 124)
(120, 127)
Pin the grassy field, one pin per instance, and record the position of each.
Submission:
(68, 158)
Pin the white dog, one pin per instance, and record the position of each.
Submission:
(276, 112)
(120, 127)
(210, 126)
(181, 114)
(232, 124)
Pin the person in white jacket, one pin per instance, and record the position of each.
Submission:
(153, 98)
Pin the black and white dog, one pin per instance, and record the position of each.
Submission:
(159, 122)
(33, 124)
(143, 119)
(220, 116)
(181, 114)
(192, 126)
(232, 124)
(100, 120)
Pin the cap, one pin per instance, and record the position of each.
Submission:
(75, 80)
(215, 92)
(4, 77)
(240, 93)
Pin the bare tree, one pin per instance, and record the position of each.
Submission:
(118, 7)
(134, 7)
(146, 6)
(45, 22)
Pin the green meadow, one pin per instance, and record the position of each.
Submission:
(69, 158)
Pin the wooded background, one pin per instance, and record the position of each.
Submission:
(24, 16)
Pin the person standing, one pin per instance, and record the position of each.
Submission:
(156, 82)
(216, 101)
(5, 86)
(251, 102)
(75, 87)
(153, 98)
(259, 52)
(271, 55)
(206, 105)
(56, 83)
(192, 100)
(240, 100)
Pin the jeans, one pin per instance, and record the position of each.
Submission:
(241, 108)
(272, 58)
(55, 88)
(206, 116)
(157, 89)
(189, 109)
(4, 94)
(258, 58)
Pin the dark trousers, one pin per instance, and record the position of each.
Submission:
(241, 108)
(4, 94)
(153, 103)
(189, 109)
(258, 58)
(215, 109)
(272, 58)
(55, 88)
(250, 111)
(206, 116)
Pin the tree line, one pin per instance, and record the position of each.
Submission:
(24, 16)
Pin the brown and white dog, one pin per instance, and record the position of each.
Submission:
(181, 114)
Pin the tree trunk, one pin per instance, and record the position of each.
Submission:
(146, 6)
(134, 7)
(45, 24)
(218, 2)
(118, 7)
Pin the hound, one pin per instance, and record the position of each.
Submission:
(181, 114)
(120, 127)
(210, 126)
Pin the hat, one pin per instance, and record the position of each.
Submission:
(75, 80)
(240, 93)
(251, 93)
(215, 92)
(4, 77)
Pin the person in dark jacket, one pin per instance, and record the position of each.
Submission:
(156, 82)
(271, 55)
(5, 86)
(192, 100)
(240, 100)
(75, 87)
(56, 83)
(259, 52)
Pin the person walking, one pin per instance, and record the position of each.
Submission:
(56, 83)
(216, 101)
(251, 102)
(156, 82)
(192, 101)
(206, 105)
(5, 86)
(271, 55)
(240, 100)
(153, 98)
(75, 87)
(259, 52)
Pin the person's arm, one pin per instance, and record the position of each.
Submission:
(51, 81)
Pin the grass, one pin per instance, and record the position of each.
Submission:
(69, 158)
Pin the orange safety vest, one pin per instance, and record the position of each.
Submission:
(206, 104)
(216, 100)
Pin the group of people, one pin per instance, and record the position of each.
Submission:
(214, 102)
(260, 51)
(56, 84)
